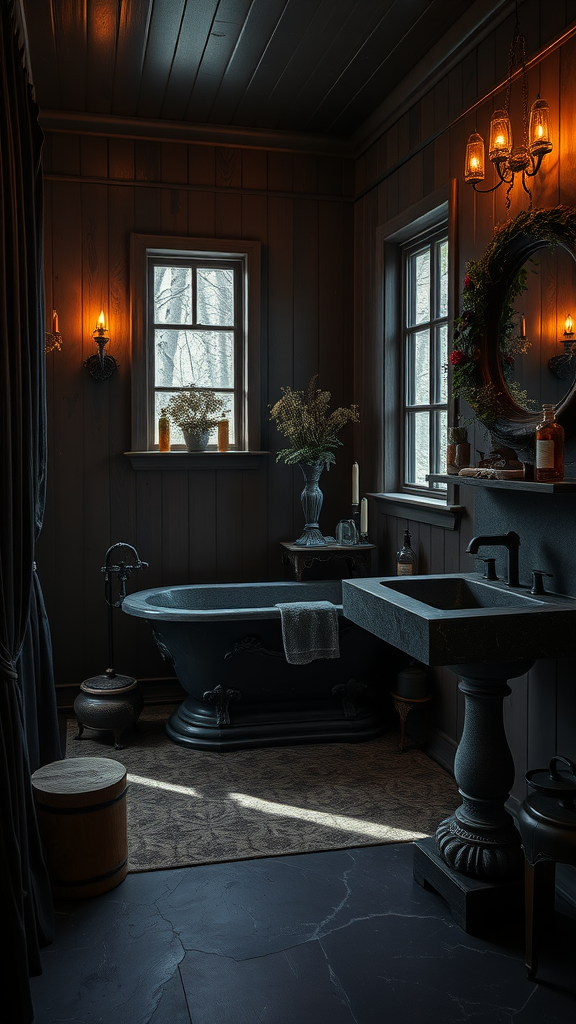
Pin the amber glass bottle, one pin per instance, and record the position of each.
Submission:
(223, 435)
(163, 432)
(549, 448)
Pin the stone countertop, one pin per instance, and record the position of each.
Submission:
(534, 627)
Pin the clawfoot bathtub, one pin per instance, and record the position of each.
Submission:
(225, 641)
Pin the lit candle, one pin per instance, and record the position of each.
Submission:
(54, 322)
(364, 515)
(101, 325)
(523, 329)
(355, 483)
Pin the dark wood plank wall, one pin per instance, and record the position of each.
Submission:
(201, 525)
(319, 265)
(541, 714)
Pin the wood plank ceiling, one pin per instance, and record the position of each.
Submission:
(318, 66)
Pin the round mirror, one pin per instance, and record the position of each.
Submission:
(503, 369)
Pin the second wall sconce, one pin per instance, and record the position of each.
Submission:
(53, 338)
(101, 366)
(562, 366)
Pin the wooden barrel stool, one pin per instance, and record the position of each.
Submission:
(547, 824)
(81, 810)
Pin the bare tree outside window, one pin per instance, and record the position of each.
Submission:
(195, 327)
(425, 360)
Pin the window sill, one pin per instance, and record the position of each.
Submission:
(181, 460)
(420, 509)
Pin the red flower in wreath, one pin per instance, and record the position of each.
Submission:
(467, 281)
(508, 360)
(456, 357)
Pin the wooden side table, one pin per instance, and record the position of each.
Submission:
(357, 556)
(404, 706)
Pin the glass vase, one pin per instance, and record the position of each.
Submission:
(312, 499)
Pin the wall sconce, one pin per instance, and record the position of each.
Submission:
(101, 366)
(53, 338)
(562, 366)
(508, 159)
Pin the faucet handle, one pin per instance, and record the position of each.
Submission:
(538, 581)
(489, 569)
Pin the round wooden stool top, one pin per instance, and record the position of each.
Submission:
(81, 807)
(76, 780)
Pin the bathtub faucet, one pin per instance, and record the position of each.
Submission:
(511, 541)
(122, 571)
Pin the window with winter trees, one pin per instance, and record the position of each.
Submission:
(425, 345)
(195, 334)
(196, 312)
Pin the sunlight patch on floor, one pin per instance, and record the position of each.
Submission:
(141, 780)
(339, 821)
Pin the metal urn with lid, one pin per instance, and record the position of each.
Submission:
(412, 682)
(554, 782)
(110, 701)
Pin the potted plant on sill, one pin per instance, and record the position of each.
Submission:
(196, 412)
(312, 433)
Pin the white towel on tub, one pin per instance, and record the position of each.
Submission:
(309, 631)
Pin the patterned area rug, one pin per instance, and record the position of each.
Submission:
(197, 807)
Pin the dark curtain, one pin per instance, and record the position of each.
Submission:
(26, 906)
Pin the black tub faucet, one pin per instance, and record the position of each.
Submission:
(511, 541)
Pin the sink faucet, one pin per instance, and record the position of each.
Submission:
(509, 540)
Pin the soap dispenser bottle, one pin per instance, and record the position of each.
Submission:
(549, 448)
(406, 558)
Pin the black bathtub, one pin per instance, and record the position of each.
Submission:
(225, 641)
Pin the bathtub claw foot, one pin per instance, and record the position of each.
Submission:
(221, 698)
(349, 691)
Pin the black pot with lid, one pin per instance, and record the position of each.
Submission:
(557, 783)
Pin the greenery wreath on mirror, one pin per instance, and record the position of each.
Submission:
(486, 335)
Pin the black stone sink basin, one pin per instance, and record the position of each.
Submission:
(450, 592)
(460, 618)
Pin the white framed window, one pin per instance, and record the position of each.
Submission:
(195, 320)
(425, 359)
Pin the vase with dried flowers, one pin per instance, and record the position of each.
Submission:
(312, 434)
(196, 411)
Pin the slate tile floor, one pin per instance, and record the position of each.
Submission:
(344, 937)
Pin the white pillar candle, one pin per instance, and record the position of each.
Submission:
(355, 483)
(364, 516)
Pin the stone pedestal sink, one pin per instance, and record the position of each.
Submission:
(487, 633)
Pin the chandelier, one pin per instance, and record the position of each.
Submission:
(507, 158)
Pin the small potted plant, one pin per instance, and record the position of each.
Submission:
(196, 412)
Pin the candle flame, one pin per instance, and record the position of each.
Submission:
(101, 321)
(568, 325)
